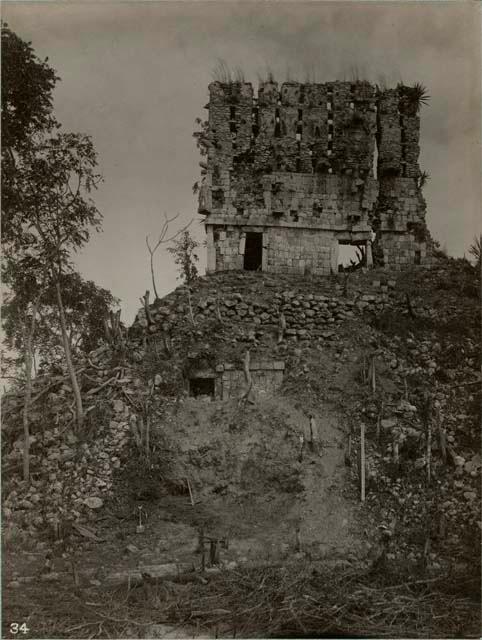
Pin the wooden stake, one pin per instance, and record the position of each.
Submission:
(348, 452)
(218, 310)
(213, 552)
(373, 376)
(75, 574)
(427, 415)
(442, 434)
(298, 540)
(281, 327)
(362, 461)
(429, 449)
(190, 492)
(147, 438)
(202, 548)
(379, 422)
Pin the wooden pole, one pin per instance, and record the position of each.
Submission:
(147, 438)
(213, 552)
(428, 418)
(348, 451)
(379, 422)
(362, 461)
(429, 449)
(190, 492)
(443, 440)
(373, 376)
(298, 540)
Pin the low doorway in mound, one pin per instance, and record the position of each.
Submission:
(253, 251)
(201, 387)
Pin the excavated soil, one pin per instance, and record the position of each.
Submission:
(250, 487)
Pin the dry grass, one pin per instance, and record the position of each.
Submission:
(275, 601)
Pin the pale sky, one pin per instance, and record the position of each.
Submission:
(135, 76)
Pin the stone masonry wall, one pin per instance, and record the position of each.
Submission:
(285, 249)
(267, 378)
(401, 250)
(303, 156)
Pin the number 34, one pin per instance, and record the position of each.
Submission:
(15, 628)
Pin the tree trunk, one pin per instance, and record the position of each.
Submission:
(68, 359)
(191, 315)
(28, 346)
(152, 275)
(145, 301)
(249, 381)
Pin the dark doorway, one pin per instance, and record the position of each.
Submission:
(253, 251)
(201, 387)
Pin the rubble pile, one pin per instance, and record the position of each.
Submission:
(423, 444)
(423, 343)
(71, 474)
(306, 312)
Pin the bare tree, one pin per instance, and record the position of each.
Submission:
(162, 239)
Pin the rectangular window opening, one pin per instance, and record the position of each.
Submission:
(418, 256)
(351, 257)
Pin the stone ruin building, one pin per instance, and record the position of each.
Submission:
(298, 170)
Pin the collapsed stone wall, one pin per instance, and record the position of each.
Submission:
(311, 309)
(336, 157)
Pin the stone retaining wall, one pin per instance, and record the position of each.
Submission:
(267, 378)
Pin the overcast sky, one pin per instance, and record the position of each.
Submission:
(135, 75)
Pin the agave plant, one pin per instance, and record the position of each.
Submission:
(412, 98)
(419, 95)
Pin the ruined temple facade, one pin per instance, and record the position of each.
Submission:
(298, 170)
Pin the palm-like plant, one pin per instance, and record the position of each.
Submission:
(419, 95)
(412, 98)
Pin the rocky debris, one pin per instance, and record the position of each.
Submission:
(74, 478)
(71, 476)
(437, 517)
(307, 312)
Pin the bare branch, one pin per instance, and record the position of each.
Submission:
(163, 240)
